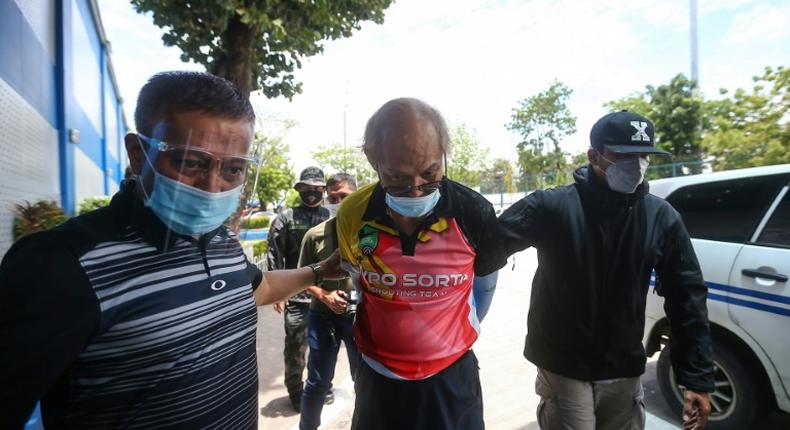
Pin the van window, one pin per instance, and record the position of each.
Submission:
(726, 211)
(777, 230)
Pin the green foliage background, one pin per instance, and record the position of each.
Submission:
(258, 44)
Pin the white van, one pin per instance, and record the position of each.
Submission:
(739, 222)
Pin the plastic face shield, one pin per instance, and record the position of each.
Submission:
(190, 154)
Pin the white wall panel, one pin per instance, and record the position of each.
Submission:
(85, 64)
(40, 14)
(28, 159)
(111, 122)
(88, 177)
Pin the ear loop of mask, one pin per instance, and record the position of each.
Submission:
(598, 157)
(151, 166)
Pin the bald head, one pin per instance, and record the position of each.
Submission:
(405, 125)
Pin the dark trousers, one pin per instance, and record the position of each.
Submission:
(449, 400)
(295, 317)
(324, 334)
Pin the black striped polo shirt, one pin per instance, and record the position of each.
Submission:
(113, 321)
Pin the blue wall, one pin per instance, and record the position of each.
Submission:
(25, 63)
(77, 92)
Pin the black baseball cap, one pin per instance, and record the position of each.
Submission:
(626, 133)
(312, 176)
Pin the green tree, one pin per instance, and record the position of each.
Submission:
(274, 173)
(257, 44)
(580, 159)
(543, 121)
(751, 128)
(335, 158)
(292, 199)
(676, 112)
(498, 178)
(468, 157)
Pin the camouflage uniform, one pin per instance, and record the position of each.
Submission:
(285, 240)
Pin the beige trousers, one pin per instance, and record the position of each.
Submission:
(570, 404)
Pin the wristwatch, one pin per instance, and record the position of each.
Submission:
(318, 271)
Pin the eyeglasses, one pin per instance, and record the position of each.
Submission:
(405, 190)
(195, 162)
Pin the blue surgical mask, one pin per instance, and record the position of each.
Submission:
(188, 210)
(413, 207)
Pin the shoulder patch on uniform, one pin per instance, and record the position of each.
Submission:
(368, 239)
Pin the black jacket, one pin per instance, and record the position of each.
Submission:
(596, 251)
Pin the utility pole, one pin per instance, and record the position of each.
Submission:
(345, 108)
(693, 27)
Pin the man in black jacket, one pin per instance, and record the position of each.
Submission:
(598, 242)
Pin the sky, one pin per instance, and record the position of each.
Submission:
(475, 60)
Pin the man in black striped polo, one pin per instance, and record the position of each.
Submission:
(142, 314)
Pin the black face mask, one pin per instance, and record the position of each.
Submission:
(311, 198)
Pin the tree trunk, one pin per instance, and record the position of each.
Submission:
(235, 62)
(235, 65)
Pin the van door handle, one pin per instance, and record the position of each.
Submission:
(757, 273)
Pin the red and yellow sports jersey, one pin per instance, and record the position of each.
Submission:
(416, 315)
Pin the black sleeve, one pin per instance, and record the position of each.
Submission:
(519, 226)
(489, 256)
(680, 282)
(48, 313)
(278, 235)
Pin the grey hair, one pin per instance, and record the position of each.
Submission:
(402, 107)
(339, 178)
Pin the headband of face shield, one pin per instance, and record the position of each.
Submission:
(192, 155)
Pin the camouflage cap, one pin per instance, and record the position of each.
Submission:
(312, 176)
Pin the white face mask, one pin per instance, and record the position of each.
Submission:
(332, 208)
(625, 175)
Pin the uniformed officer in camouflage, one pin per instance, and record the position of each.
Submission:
(285, 239)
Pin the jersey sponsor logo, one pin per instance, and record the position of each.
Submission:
(218, 285)
(417, 280)
(368, 240)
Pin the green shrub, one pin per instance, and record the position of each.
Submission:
(255, 222)
(260, 248)
(92, 203)
(39, 216)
